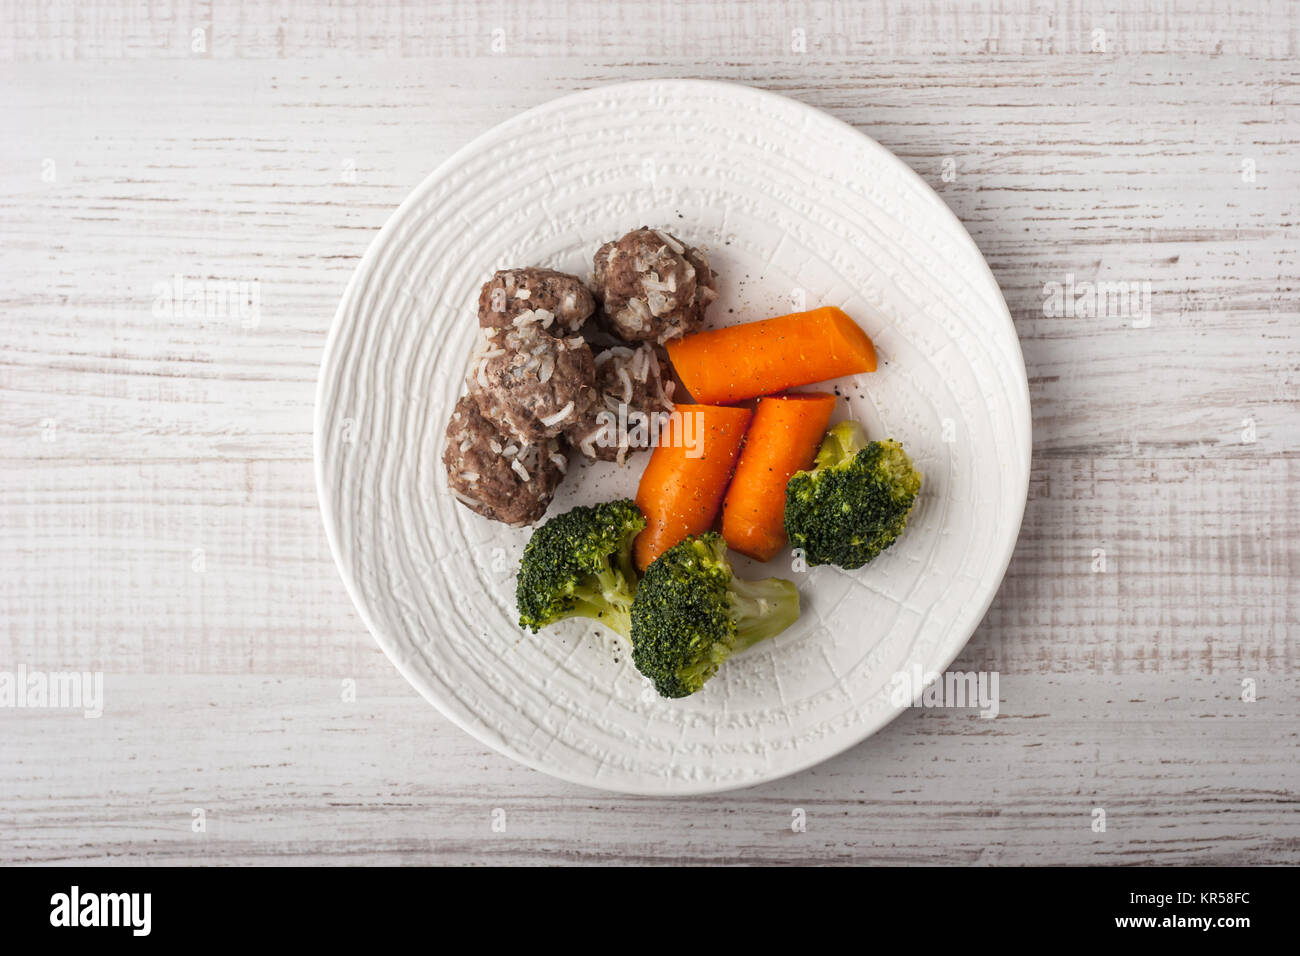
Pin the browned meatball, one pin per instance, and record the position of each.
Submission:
(495, 476)
(652, 286)
(560, 303)
(532, 383)
(632, 380)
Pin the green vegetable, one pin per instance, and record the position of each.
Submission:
(691, 613)
(854, 502)
(579, 564)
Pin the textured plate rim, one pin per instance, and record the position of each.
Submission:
(849, 741)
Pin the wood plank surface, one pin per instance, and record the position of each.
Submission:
(158, 519)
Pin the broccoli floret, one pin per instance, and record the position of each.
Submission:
(854, 502)
(691, 613)
(579, 564)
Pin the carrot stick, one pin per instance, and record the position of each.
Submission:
(759, 358)
(783, 439)
(683, 484)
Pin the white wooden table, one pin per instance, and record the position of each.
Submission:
(158, 517)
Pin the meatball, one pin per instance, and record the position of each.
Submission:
(495, 476)
(652, 287)
(558, 302)
(531, 383)
(630, 379)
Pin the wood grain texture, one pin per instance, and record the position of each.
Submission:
(285, 773)
(131, 439)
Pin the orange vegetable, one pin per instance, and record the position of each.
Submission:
(682, 486)
(783, 439)
(760, 358)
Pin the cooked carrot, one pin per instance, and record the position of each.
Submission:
(683, 484)
(783, 439)
(772, 355)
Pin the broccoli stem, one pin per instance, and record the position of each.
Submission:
(762, 609)
(610, 599)
(617, 619)
(626, 571)
(842, 442)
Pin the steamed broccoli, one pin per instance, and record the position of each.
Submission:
(579, 564)
(854, 502)
(691, 613)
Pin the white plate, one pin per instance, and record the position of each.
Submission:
(795, 208)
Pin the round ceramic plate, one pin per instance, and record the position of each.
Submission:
(796, 210)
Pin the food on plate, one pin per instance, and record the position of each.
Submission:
(495, 475)
(631, 385)
(682, 486)
(775, 473)
(531, 382)
(536, 385)
(782, 439)
(854, 502)
(760, 358)
(652, 286)
(579, 564)
(558, 302)
(691, 613)
(684, 617)
(529, 379)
